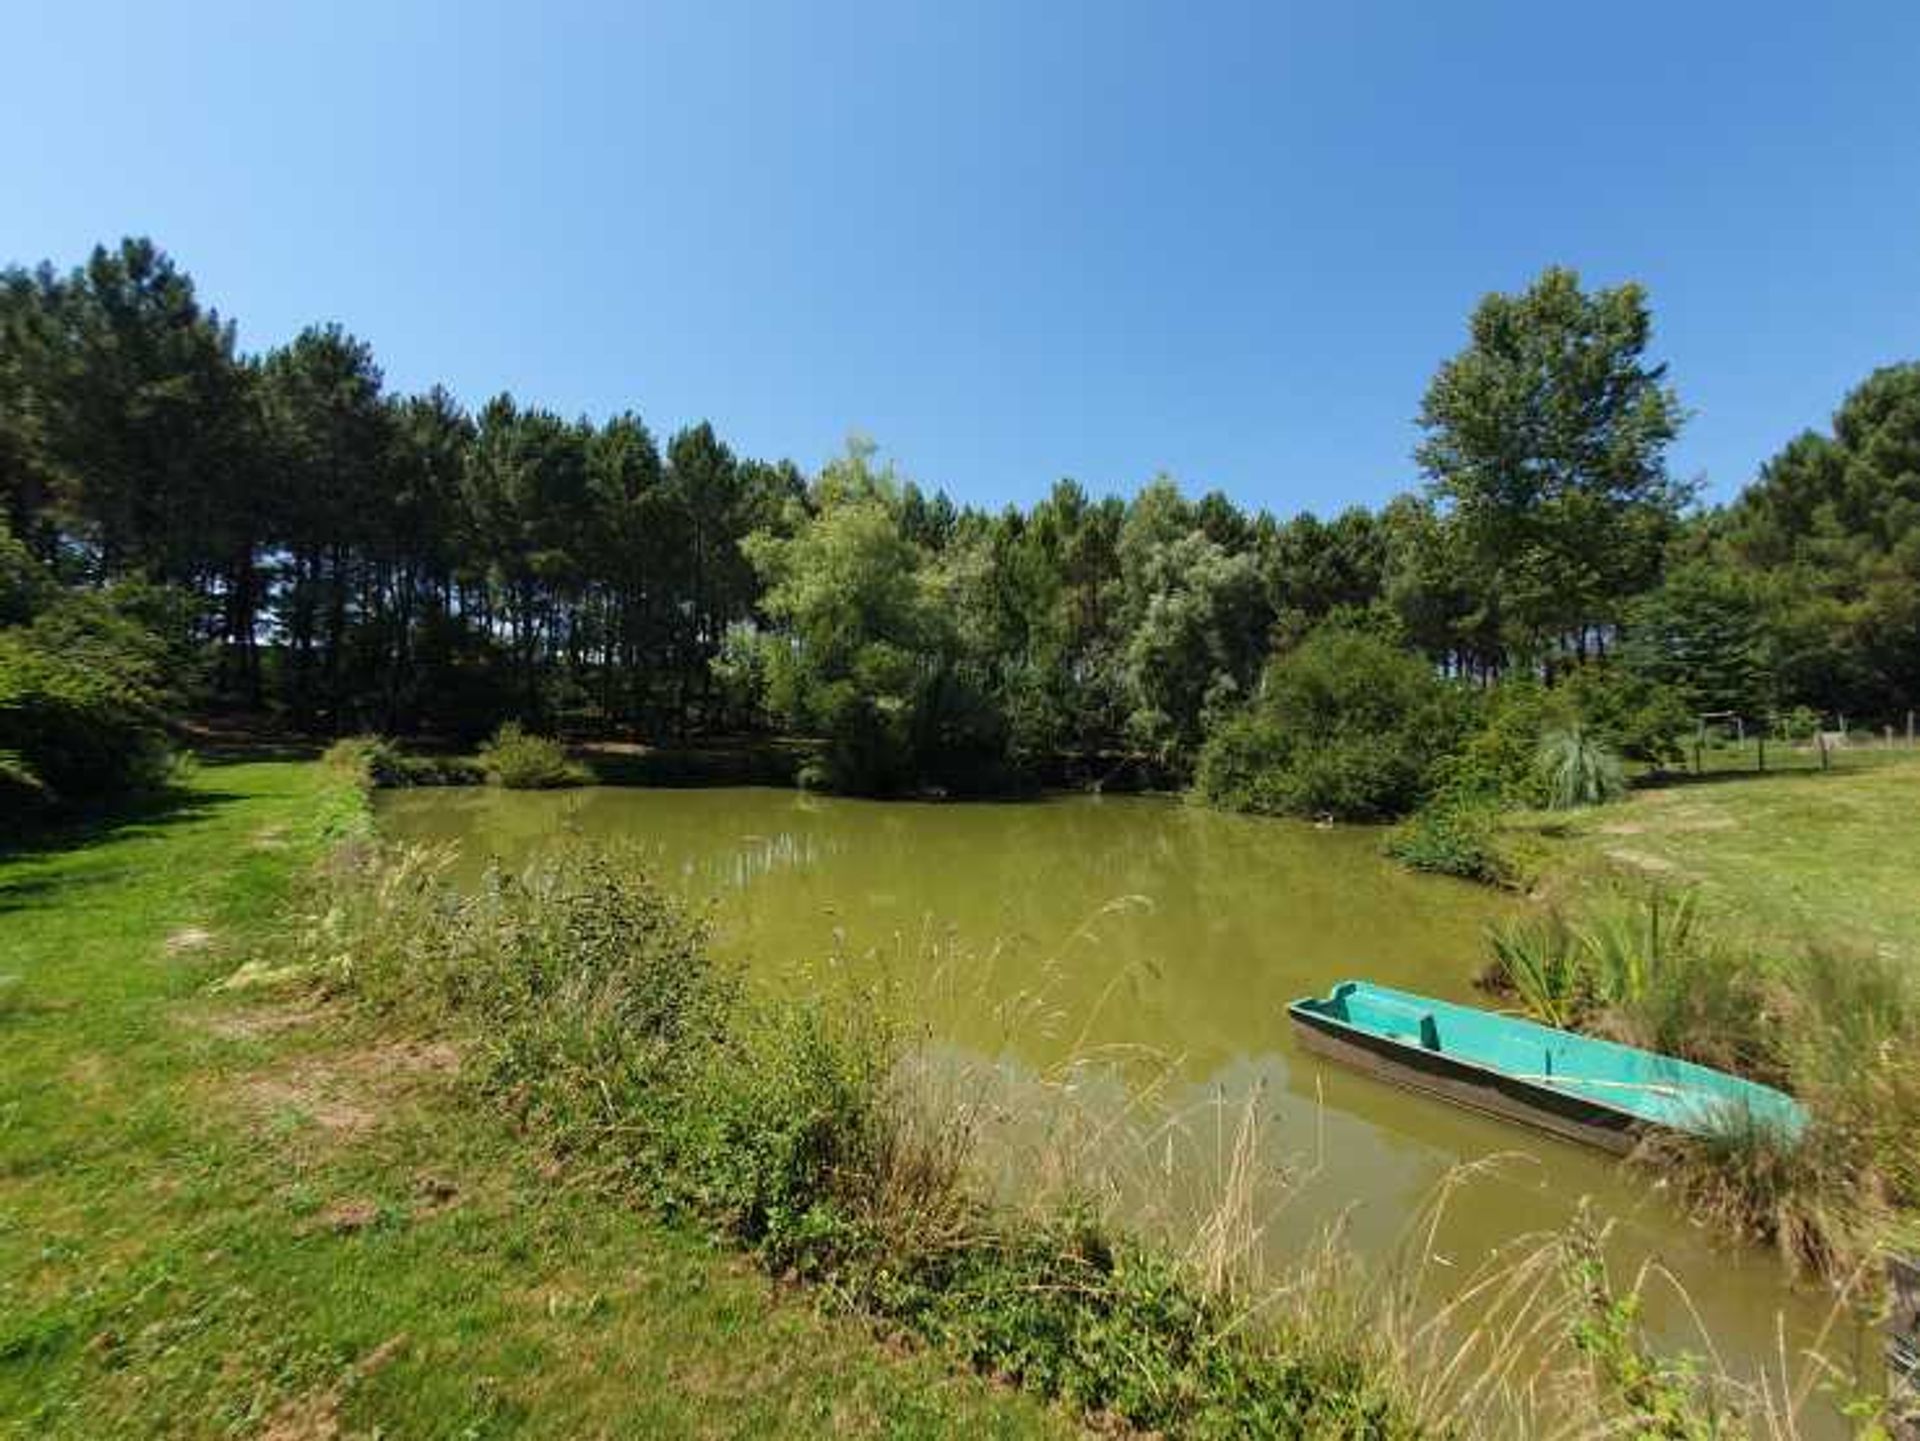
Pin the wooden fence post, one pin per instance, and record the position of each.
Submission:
(1903, 1348)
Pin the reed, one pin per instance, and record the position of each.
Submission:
(1025, 1222)
(1839, 1030)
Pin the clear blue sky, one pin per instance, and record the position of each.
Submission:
(1009, 241)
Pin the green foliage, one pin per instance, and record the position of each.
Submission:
(1346, 724)
(1637, 715)
(374, 762)
(873, 646)
(1496, 765)
(1566, 972)
(370, 760)
(1701, 634)
(1828, 540)
(84, 695)
(1453, 835)
(599, 1018)
(1579, 769)
(1648, 1394)
(519, 760)
(1546, 437)
(1196, 633)
(1836, 1029)
(305, 541)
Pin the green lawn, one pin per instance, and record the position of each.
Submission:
(233, 1214)
(1792, 856)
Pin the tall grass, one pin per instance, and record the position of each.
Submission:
(838, 1146)
(1569, 970)
(793, 1127)
(1838, 1030)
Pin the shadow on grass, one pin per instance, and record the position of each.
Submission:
(142, 815)
(1677, 780)
(242, 753)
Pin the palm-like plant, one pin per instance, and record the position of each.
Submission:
(1580, 769)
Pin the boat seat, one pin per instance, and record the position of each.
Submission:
(1411, 1025)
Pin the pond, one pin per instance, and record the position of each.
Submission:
(1159, 943)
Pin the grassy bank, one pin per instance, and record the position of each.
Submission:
(1790, 857)
(1769, 926)
(457, 1164)
(245, 1213)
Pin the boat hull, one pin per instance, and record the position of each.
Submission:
(1438, 1074)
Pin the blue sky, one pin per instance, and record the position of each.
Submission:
(1010, 242)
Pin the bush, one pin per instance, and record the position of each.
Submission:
(521, 761)
(443, 771)
(1638, 717)
(378, 763)
(1579, 769)
(373, 761)
(83, 705)
(1496, 763)
(1454, 836)
(1588, 972)
(1347, 724)
(1838, 1031)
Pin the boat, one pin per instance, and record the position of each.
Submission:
(1585, 1089)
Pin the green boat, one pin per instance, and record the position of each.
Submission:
(1575, 1086)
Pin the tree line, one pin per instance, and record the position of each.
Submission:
(313, 544)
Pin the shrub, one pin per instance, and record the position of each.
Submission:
(1579, 768)
(83, 705)
(1454, 836)
(1496, 763)
(443, 771)
(1635, 716)
(1347, 724)
(1615, 958)
(1244, 766)
(522, 761)
(373, 761)
(376, 762)
(1838, 1031)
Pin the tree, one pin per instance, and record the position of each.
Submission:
(1701, 633)
(329, 440)
(854, 626)
(1829, 535)
(1545, 442)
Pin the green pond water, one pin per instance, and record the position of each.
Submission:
(1130, 960)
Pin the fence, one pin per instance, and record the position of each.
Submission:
(1725, 742)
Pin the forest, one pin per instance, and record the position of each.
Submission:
(192, 529)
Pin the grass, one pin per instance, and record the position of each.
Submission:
(263, 1211)
(594, 1015)
(1793, 858)
(240, 1213)
(1839, 1030)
